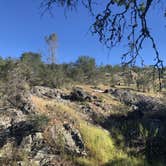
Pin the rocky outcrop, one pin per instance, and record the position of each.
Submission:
(146, 103)
(78, 94)
(23, 102)
(16, 127)
(17, 133)
(66, 138)
(46, 92)
(9, 116)
(141, 102)
(21, 126)
(122, 95)
(25, 133)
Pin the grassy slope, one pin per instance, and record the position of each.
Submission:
(99, 143)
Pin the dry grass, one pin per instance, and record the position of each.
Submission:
(41, 104)
(152, 94)
(98, 142)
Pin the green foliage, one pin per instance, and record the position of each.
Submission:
(31, 58)
(143, 131)
(145, 80)
(6, 66)
(102, 149)
(2, 63)
(88, 66)
(32, 70)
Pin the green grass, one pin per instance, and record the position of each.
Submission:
(98, 142)
(102, 150)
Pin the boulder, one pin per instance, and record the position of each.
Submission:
(78, 94)
(9, 116)
(124, 96)
(141, 102)
(86, 109)
(66, 138)
(75, 137)
(46, 92)
(108, 91)
(146, 103)
(23, 102)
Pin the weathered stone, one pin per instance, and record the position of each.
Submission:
(46, 92)
(29, 141)
(67, 138)
(6, 150)
(79, 95)
(10, 115)
(124, 96)
(141, 102)
(23, 102)
(147, 104)
(86, 109)
(76, 137)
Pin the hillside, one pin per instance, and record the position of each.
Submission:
(83, 125)
(82, 83)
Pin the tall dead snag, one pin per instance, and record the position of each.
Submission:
(51, 41)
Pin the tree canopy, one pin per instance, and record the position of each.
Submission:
(120, 20)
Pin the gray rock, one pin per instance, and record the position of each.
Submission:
(66, 138)
(124, 96)
(141, 102)
(146, 103)
(28, 142)
(23, 102)
(46, 92)
(10, 115)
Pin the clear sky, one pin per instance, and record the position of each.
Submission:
(23, 29)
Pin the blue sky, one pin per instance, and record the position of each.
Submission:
(23, 29)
